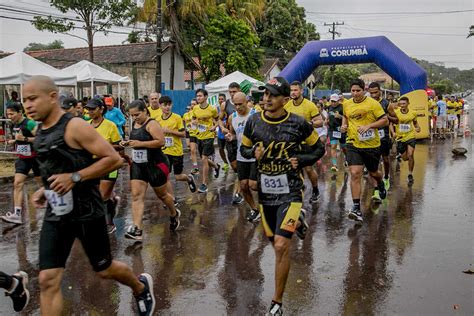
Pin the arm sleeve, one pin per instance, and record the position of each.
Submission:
(31, 125)
(114, 134)
(314, 110)
(121, 117)
(314, 147)
(179, 120)
(378, 110)
(246, 149)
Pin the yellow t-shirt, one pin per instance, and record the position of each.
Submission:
(458, 108)
(434, 107)
(108, 130)
(173, 145)
(154, 114)
(359, 114)
(188, 121)
(307, 109)
(205, 117)
(405, 129)
(452, 107)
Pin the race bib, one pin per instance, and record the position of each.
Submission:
(202, 128)
(381, 133)
(60, 204)
(336, 134)
(404, 128)
(275, 184)
(451, 117)
(193, 127)
(169, 142)
(367, 135)
(24, 150)
(139, 155)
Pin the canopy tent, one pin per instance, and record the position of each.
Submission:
(222, 85)
(87, 71)
(20, 67)
(90, 72)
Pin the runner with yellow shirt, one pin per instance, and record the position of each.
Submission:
(154, 108)
(173, 128)
(109, 131)
(405, 133)
(309, 111)
(191, 132)
(452, 106)
(363, 116)
(205, 117)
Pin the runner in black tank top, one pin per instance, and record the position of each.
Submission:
(65, 146)
(149, 166)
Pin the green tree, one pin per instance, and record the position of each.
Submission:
(56, 44)
(283, 30)
(92, 16)
(230, 43)
(444, 86)
(342, 77)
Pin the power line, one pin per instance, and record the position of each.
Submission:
(391, 13)
(409, 33)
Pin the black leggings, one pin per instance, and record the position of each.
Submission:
(6, 281)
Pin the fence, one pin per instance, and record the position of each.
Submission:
(181, 99)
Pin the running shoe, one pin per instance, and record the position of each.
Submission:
(303, 228)
(275, 310)
(376, 196)
(20, 295)
(175, 202)
(146, 300)
(134, 233)
(225, 167)
(14, 218)
(382, 190)
(195, 171)
(410, 179)
(111, 228)
(174, 221)
(217, 170)
(202, 188)
(334, 169)
(386, 183)
(254, 216)
(355, 215)
(346, 164)
(366, 172)
(399, 157)
(191, 183)
(237, 199)
(314, 197)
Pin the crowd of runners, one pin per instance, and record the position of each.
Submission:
(76, 150)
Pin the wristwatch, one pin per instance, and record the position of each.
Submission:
(76, 177)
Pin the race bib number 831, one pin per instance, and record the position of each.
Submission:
(274, 184)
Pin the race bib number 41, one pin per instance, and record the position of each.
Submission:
(274, 184)
(139, 155)
(367, 135)
(60, 204)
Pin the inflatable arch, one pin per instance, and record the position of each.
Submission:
(379, 50)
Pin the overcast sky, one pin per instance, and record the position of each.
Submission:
(416, 26)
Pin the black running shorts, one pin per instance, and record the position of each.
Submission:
(206, 147)
(56, 241)
(221, 143)
(385, 146)
(193, 139)
(402, 146)
(25, 165)
(176, 164)
(280, 219)
(154, 174)
(231, 150)
(368, 157)
(247, 170)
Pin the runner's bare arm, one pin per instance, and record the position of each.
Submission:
(317, 121)
(391, 115)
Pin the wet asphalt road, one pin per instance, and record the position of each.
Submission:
(406, 259)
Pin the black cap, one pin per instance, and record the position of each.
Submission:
(68, 103)
(277, 86)
(93, 103)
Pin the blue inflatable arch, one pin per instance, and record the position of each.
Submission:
(379, 50)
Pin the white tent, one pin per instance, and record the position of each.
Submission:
(222, 85)
(90, 72)
(20, 67)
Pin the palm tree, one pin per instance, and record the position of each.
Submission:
(249, 11)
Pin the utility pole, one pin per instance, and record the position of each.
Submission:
(159, 37)
(334, 33)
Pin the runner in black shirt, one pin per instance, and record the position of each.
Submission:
(275, 139)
